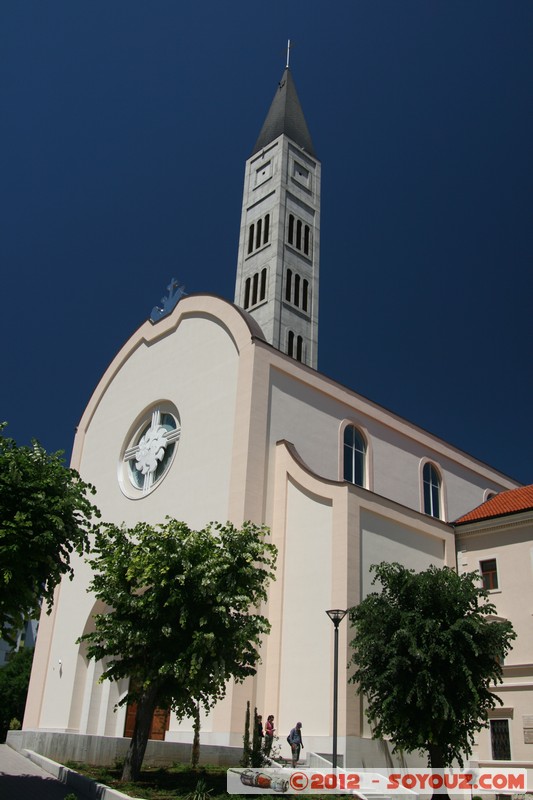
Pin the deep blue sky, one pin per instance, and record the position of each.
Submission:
(125, 128)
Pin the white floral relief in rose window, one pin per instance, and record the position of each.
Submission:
(149, 458)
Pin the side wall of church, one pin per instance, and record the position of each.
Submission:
(312, 413)
(328, 534)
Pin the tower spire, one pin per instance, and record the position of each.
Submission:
(285, 116)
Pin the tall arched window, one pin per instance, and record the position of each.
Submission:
(306, 240)
(432, 490)
(251, 238)
(255, 283)
(299, 234)
(305, 290)
(258, 233)
(354, 456)
(288, 286)
(290, 237)
(296, 299)
(299, 348)
(290, 344)
(266, 230)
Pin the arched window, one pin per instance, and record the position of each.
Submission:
(305, 291)
(299, 348)
(262, 293)
(299, 234)
(290, 237)
(290, 344)
(266, 229)
(258, 233)
(306, 240)
(255, 281)
(251, 238)
(354, 456)
(432, 490)
(247, 292)
(288, 286)
(296, 290)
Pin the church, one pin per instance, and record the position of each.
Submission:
(215, 411)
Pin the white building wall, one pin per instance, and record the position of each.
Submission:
(509, 540)
(309, 412)
(305, 669)
(194, 367)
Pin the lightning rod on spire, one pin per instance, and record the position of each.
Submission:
(288, 53)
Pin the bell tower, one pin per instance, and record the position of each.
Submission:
(279, 244)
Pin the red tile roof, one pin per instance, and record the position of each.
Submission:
(510, 502)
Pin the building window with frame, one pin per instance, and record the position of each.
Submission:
(305, 292)
(354, 456)
(489, 573)
(255, 288)
(258, 233)
(297, 290)
(432, 490)
(299, 235)
(288, 286)
(500, 740)
(295, 346)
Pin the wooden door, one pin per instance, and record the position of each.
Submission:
(158, 728)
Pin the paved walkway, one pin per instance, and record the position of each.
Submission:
(21, 779)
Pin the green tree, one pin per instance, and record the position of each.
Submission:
(426, 652)
(45, 515)
(14, 681)
(246, 747)
(182, 616)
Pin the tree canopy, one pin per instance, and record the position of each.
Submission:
(45, 515)
(182, 616)
(426, 651)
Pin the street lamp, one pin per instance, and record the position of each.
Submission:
(336, 615)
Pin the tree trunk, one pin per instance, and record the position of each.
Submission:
(438, 765)
(195, 752)
(145, 711)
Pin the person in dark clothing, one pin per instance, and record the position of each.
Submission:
(296, 742)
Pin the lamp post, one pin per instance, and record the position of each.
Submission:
(336, 615)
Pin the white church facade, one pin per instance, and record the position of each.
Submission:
(246, 428)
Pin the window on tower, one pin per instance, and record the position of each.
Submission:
(299, 235)
(258, 234)
(255, 289)
(295, 346)
(297, 290)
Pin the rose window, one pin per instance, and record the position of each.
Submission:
(150, 454)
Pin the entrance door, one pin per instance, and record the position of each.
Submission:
(158, 728)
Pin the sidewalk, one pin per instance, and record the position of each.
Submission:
(21, 779)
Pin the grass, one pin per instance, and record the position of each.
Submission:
(167, 783)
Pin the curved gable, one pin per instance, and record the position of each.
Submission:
(238, 326)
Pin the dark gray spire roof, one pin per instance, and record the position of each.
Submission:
(285, 116)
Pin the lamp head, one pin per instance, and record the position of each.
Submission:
(336, 615)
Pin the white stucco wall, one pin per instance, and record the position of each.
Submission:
(194, 367)
(305, 669)
(309, 411)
